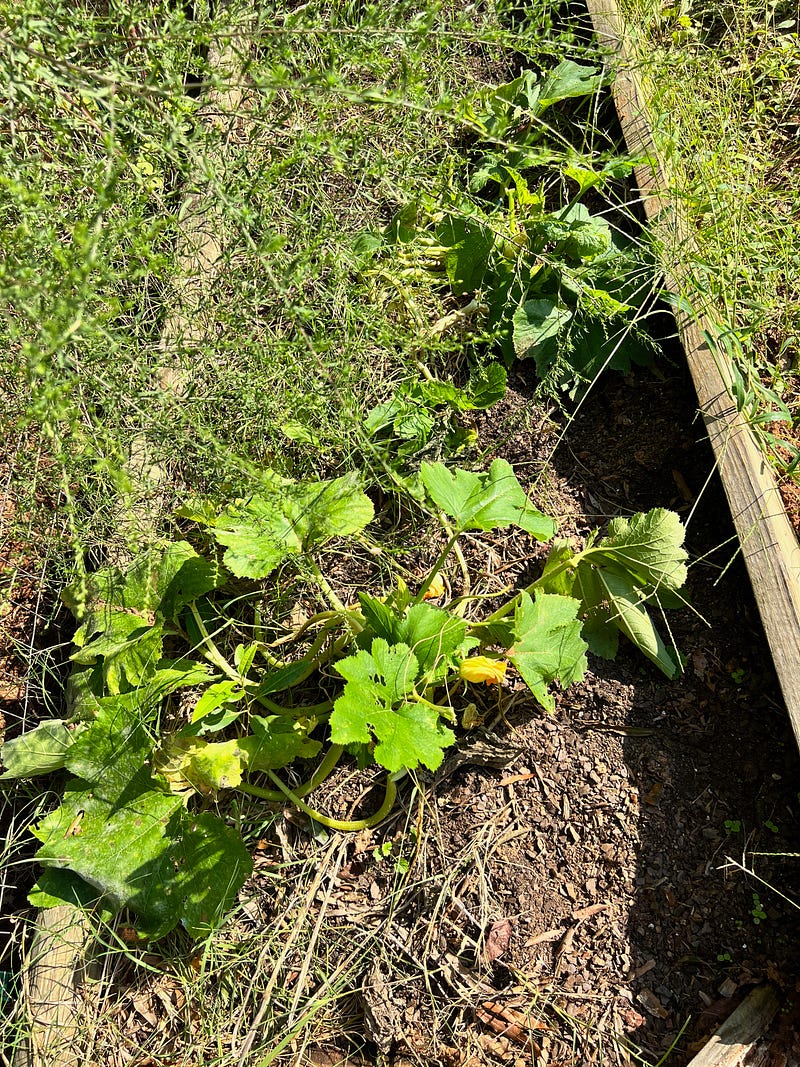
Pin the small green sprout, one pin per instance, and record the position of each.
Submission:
(757, 911)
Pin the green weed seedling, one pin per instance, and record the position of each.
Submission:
(757, 911)
(169, 710)
(405, 425)
(393, 852)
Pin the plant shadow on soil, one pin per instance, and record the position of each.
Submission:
(644, 788)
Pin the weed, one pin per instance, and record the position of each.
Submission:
(732, 165)
(559, 287)
(757, 911)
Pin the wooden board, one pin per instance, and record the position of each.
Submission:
(768, 542)
(55, 968)
(733, 1043)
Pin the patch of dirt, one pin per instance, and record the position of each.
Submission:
(18, 598)
(26, 638)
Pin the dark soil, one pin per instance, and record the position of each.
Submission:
(654, 785)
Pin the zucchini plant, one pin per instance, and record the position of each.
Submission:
(560, 286)
(168, 713)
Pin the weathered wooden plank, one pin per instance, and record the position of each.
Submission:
(734, 1040)
(53, 973)
(768, 542)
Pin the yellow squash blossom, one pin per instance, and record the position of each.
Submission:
(483, 669)
(434, 590)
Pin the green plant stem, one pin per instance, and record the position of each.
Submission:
(511, 604)
(212, 653)
(345, 825)
(321, 773)
(443, 710)
(325, 586)
(258, 624)
(295, 635)
(311, 711)
(460, 608)
(258, 791)
(423, 589)
(314, 782)
(311, 655)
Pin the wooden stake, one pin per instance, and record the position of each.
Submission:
(53, 973)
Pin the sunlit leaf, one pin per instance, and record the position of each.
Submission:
(436, 637)
(225, 692)
(39, 751)
(123, 850)
(276, 742)
(373, 707)
(470, 245)
(487, 385)
(649, 548)
(537, 325)
(485, 501)
(548, 645)
(568, 80)
(262, 531)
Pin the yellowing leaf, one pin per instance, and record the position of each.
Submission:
(471, 717)
(192, 764)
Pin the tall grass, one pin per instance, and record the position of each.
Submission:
(723, 83)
